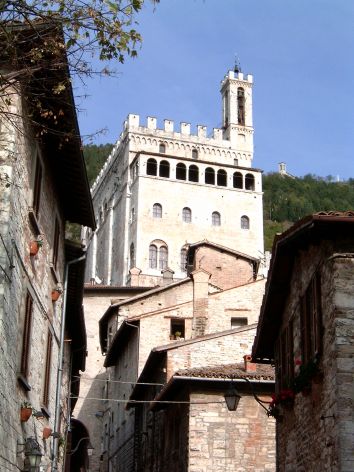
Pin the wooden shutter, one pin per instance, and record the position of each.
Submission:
(26, 338)
(37, 187)
(56, 243)
(48, 360)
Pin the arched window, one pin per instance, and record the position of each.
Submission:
(194, 154)
(241, 106)
(152, 256)
(187, 215)
(183, 259)
(222, 178)
(162, 148)
(163, 257)
(193, 174)
(157, 210)
(181, 171)
(209, 176)
(238, 180)
(249, 182)
(215, 218)
(245, 222)
(151, 167)
(164, 169)
(132, 255)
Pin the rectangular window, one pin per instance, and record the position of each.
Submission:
(37, 186)
(236, 322)
(177, 328)
(311, 321)
(285, 356)
(26, 338)
(56, 244)
(48, 360)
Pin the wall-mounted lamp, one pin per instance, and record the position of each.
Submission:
(89, 447)
(232, 398)
(33, 455)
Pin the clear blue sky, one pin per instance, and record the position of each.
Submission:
(301, 53)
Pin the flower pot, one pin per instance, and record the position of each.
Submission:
(55, 295)
(47, 432)
(26, 414)
(34, 248)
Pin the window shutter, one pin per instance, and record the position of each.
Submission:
(48, 360)
(26, 339)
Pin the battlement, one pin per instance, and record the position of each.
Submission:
(133, 122)
(237, 76)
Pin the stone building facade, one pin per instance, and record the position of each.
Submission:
(33, 325)
(187, 425)
(307, 328)
(194, 322)
(162, 189)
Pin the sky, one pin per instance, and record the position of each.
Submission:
(300, 52)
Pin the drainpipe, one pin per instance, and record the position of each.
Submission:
(56, 433)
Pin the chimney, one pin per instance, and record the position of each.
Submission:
(249, 365)
(167, 276)
(134, 273)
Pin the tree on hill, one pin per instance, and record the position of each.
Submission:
(95, 156)
(286, 200)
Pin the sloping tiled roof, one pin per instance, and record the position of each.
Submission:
(228, 371)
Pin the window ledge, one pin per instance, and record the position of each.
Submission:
(45, 411)
(23, 382)
(54, 273)
(34, 221)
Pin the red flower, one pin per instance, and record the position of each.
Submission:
(298, 362)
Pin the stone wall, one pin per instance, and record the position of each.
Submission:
(319, 432)
(23, 273)
(232, 441)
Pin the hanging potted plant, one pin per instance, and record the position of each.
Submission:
(56, 292)
(35, 245)
(47, 432)
(26, 411)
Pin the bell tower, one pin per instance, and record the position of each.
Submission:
(237, 122)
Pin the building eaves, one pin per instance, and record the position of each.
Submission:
(205, 242)
(309, 230)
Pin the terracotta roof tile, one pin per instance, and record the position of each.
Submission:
(229, 371)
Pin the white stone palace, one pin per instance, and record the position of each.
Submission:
(162, 189)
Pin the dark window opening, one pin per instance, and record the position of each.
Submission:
(187, 215)
(181, 172)
(240, 106)
(48, 360)
(222, 178)
(26, 337)
(215, 218)
(311, 321)
(37, 187)
(236, 322)
(163, 257)
(193, 174)
(177, 328)
(209, 176)
(162, 148)
(132, 255)
(194, 153)
(183, 259)
(56, 244)
(164, 170)
(151, 167)
(249, 182)
(153, 256)
(245, 222)
(157, 210)
(238, 180)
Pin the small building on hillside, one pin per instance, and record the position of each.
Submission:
(307, 329)
(43, 185)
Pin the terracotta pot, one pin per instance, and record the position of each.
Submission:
(55, 295)
(47, 432)
(34, 248)
(26, 414)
